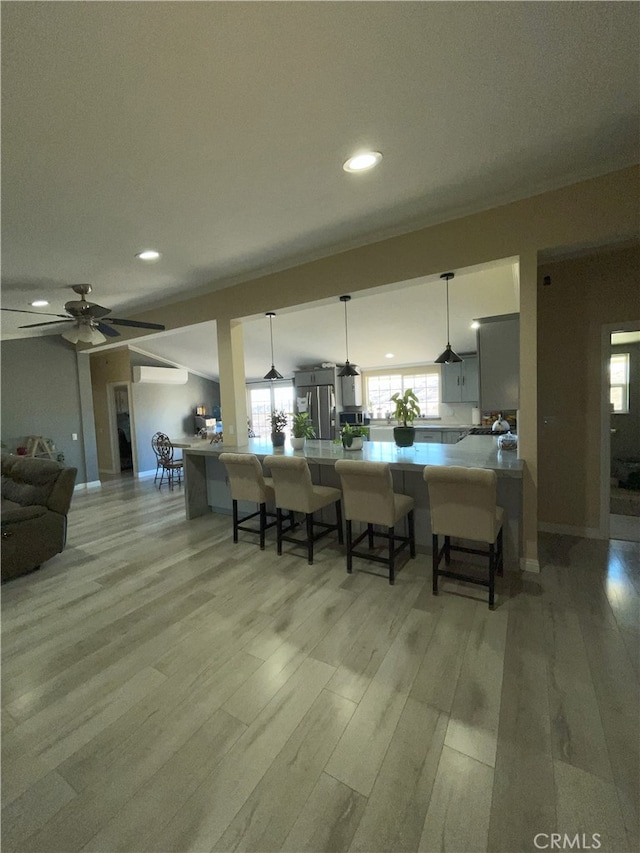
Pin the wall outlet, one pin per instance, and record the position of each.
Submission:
(74, 436)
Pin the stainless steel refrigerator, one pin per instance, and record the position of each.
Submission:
(321, 407)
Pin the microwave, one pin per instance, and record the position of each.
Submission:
(354, 418)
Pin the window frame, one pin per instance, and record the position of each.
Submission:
(426, 370)
(624, 386)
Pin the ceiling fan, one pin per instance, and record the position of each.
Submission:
(90, 321)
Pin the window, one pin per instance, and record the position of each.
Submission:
(426, 387)
(619, 383)
(262, 400)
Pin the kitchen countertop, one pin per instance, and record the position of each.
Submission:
(474, 451)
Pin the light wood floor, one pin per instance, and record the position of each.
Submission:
(165, 690)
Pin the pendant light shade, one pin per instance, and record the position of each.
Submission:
(273, 373)
(348, 369)
(448, 356)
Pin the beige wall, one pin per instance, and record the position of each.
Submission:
(584, 294)
(111, 366)
(600, 211)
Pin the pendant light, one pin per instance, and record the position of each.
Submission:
(348, 369)
(448, 356)
(273, 373)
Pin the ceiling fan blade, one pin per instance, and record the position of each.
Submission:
(98, 311)
(134, 323)
(37, 313)
(48, 323)
(107, 330)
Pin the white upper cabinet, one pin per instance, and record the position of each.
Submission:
(351, 390)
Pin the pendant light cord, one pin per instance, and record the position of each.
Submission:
(346, 331)
(271, 332)
(448, 339)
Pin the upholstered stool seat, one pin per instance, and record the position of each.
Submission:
(295, 491)
(248, 484)
(463, 505)
(368, 497)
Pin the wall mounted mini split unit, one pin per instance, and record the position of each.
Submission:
(160, 375)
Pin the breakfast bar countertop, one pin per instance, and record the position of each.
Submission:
(474, 451)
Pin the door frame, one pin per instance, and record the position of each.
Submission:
(605, 419)
(112, 387)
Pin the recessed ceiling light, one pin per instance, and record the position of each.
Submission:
(362, 162)
(389, 355)
(39, 303)
(475, 325)
(148, 255)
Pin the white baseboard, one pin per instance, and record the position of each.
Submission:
(571, 530)
(150, 473)
(529, 565)
(90, 485)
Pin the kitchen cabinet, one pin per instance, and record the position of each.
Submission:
(460, 381)
(351, 390)
(428, 436)
(317, 376)
(499, 360)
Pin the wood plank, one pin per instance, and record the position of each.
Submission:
(394, 816)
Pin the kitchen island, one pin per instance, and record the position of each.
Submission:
(207, 490)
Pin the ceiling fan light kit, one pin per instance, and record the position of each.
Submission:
(91, 324)
(448, 356)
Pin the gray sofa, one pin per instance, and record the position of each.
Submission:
(36, 494)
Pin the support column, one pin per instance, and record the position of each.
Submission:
(528, 412)
(233, 397)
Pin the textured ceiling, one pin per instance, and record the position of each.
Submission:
(215, 132)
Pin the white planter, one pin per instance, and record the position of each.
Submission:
(297, 443)
(356, 443)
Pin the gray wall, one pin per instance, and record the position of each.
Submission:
(625, 442)
(41, 396)
(168, 409)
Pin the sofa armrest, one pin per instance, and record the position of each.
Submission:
(16, 514)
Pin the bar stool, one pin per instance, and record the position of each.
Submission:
(463, 504)
(248, 484)
(367, 492)
(295, 492)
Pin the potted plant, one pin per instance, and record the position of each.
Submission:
(302, 428)
(278, 423)
(406, 409)
(351, 437)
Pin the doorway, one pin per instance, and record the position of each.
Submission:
(620, 486)
(120, 429)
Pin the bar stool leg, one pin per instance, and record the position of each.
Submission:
(435, 561)
(263, 524)
(500, 555)
(370, 532)
(310, 538)
(492, 574)
(447, 550)
(279, 529)
(235, 521)
(392, 541)
(339, 522)
(349, 555)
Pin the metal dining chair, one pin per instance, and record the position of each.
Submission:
(166, 463)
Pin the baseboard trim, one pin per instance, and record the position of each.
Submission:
(92, 484)
(527, 564)
(571, 530)
(150, 473)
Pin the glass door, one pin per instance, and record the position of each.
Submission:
(263, 399)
